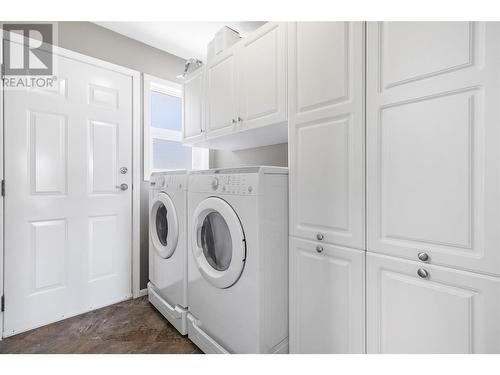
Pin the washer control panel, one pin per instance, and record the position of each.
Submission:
(237, 184)
(168, 181)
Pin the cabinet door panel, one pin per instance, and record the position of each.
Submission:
(450, 311)
(221, 95)
(326, 299)
(193, 109)
(262, 77)
(326, 139)
(433, 142)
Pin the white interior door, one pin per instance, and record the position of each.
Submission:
(68, 232)
(433, 142)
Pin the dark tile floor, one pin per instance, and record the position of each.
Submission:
(128, 327)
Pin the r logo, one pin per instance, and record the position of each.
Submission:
(28, 49)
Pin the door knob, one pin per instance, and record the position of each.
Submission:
(233, 121)
(422, 273)
(122, 187)
(320, 237)
(319, 249)
(424, 257)
(240, 119)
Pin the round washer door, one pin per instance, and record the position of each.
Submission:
(218, 242)
(164, 225)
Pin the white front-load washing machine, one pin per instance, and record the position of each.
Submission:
(238, 260)
(167, 287)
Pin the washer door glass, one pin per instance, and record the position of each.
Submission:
(164, 225)
(218, 242)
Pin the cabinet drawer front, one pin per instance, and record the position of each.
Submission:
(433, 141)
(326, 141)
(326, 299)
(420, 308)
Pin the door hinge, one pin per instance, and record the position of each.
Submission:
(3, 188)
(3, 304)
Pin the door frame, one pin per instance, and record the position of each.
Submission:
(136, 162)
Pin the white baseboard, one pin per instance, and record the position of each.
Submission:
(143, 292)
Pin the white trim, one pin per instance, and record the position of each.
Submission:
(136, 182)
(142, 293)
(1, 198)
(136, 161)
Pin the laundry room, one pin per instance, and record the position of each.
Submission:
(276, 184)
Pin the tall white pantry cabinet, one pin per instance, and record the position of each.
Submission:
(406, 115)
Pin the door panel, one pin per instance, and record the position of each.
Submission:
(262, 77)
(433, 144)
(193, 106)
(327, 132)
(67, 240)
(48, 150)
(326, 299)
(322, 68)
(221, 95)
(450, 311)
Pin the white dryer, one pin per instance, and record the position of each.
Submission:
(167, 287)
(238, 261)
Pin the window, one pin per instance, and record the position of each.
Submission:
(163, 148)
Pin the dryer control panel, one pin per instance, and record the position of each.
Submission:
(235, 184)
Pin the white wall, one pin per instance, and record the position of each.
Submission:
(104, 44)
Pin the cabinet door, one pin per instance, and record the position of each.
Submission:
(326, 131)
(450, 311)
(326, 299)
(433, 142)
(193, 110)
(262, 77)
(221, 95)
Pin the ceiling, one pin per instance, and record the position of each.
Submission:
(184, 39)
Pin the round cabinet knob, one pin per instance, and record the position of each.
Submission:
(233, 121)
(422, 273)
(215, 183)
(424, 257)
(319, 237)
(319, 249)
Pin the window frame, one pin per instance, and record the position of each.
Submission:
(150, 83)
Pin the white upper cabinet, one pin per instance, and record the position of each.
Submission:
(192, 129)
(326, 131)
(326, 298)
(245, 95)
(433, 142)
(262, 77)
(221, 95)
(416, 308)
